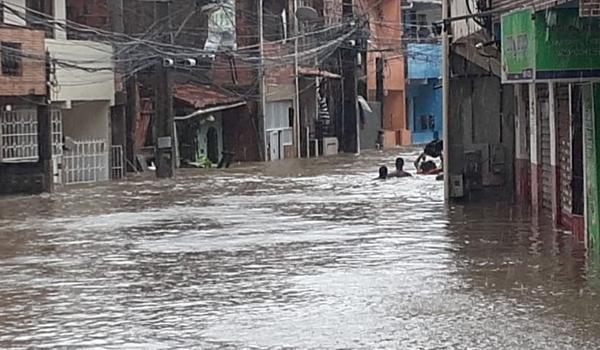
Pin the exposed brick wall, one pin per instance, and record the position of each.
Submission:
(222, 73)
(32, 81)
(589, 8)
(276, 72)
(247, 35)
(90, 13)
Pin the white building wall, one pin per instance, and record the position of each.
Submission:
(12, 18)
(74, 84)
(60, 18)
(462, 28)
(87, 120)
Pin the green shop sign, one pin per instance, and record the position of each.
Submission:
(518, 46)
(553, 45)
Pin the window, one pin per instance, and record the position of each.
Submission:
(425, 122)
(11, 59)
(38, 13)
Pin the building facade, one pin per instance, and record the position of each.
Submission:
(424, 61)
(220, 79)
(541, 60)
(24, 151)
(385, 67)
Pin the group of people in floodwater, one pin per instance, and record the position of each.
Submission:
(424, 166)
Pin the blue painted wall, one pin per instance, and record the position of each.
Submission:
(424, 61)
(424, 93)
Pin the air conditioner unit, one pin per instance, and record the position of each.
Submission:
(330, 146)
(457, 189)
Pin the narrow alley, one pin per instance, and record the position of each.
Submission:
(297, 254)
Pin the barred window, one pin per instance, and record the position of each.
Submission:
(11, 59)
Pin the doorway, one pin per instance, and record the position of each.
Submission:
(212, 145)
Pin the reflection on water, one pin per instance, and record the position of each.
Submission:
(289, 255)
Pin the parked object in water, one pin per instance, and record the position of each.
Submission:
(433, 149)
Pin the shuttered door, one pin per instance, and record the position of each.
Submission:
(525, 97)
(564, 153)
(544, 118)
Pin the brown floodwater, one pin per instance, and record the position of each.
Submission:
(309, 254)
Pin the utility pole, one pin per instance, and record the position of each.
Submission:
(446, 26)
(45, 134)
(119, 125)
(262, 137)
(297, 129)
(163, 121)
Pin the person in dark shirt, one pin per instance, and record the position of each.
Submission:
(433, 149)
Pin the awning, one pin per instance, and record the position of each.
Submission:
(210, 110)
(316, 72)
(200, 96)
(204, 99)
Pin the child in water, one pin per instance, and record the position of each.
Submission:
(383, 173)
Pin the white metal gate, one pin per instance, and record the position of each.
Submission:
(86, 161)
(278, 128)
(57, 145)
(57, 132)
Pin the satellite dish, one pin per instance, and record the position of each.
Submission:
(306, 13)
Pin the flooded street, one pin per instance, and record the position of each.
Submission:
(288, 255)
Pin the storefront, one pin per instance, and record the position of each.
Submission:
(556, 54)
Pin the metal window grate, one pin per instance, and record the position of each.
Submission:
(19, 136)
(86, 161)
(57, 132)
(117, 167)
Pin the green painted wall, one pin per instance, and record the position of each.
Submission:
(572, 43)
(549, 45)
(592, 148)
(595, 234)
(518, 45)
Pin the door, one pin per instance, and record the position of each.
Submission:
(545, 148)
(564, 155)
(277, 118)
(577, 151)
(212, 145)
(577, 165)
(274, 146)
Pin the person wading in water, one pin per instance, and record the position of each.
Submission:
(399, 172)
(383, 173)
